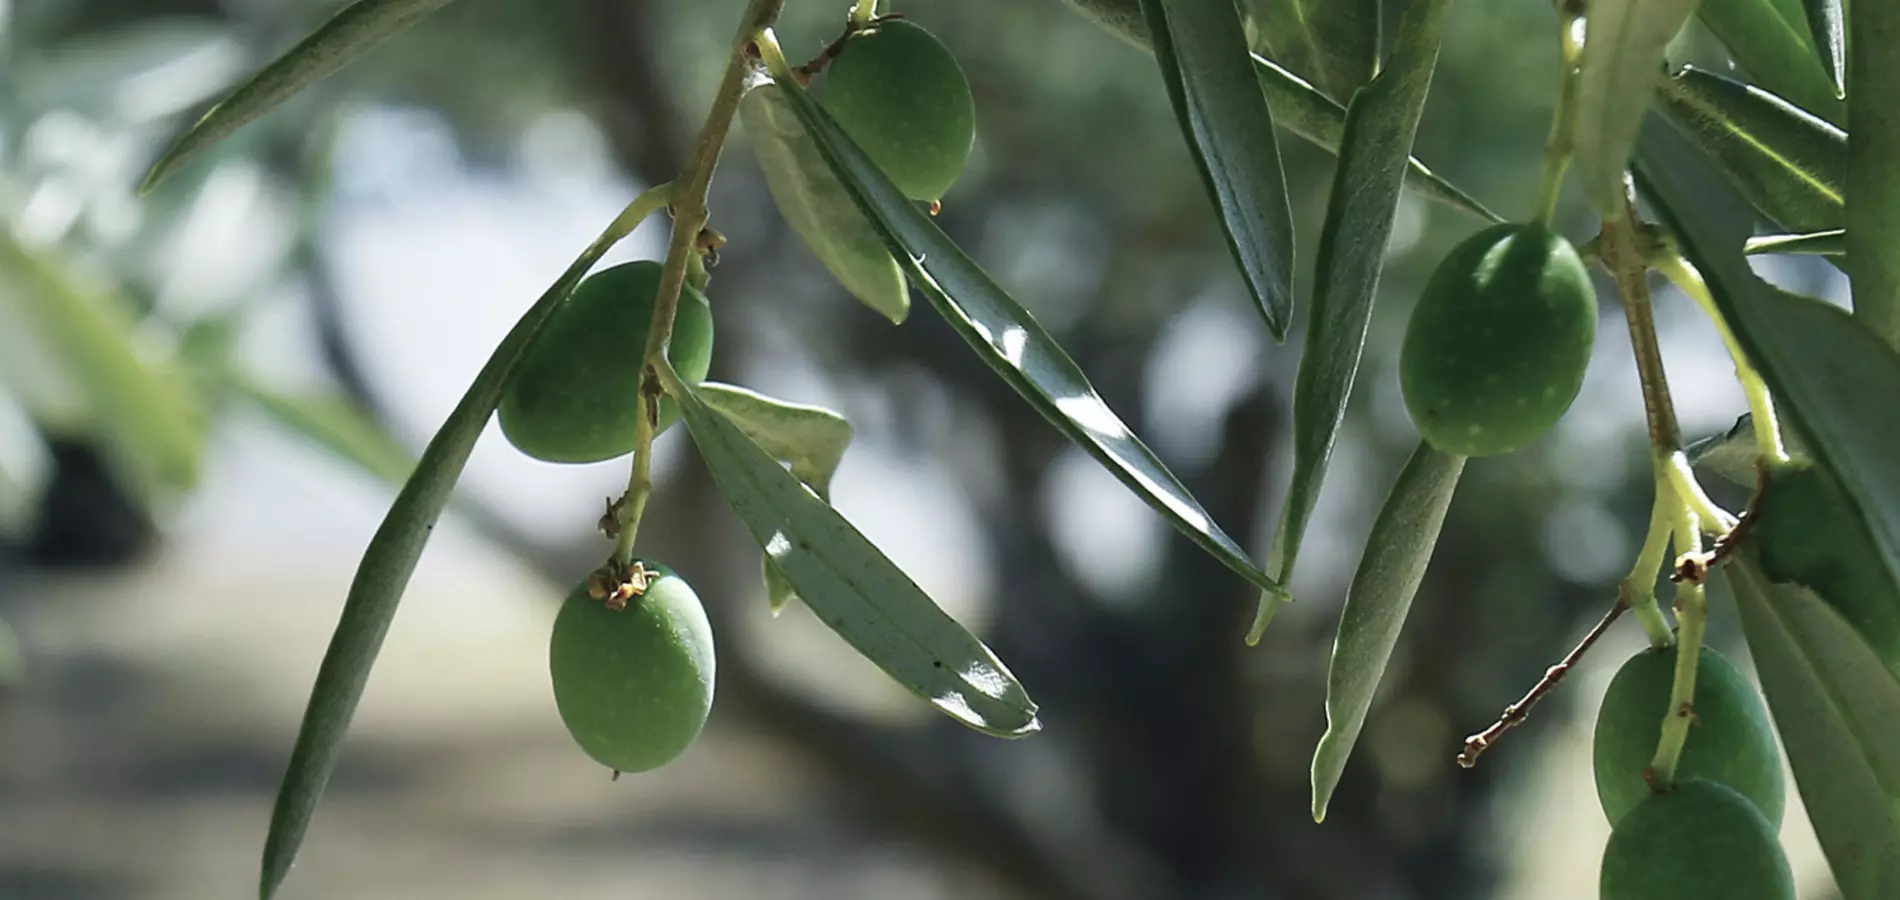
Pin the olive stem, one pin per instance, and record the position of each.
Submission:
(1624, 258)
(1761, 405)
(1638, 590)
(1715, 520)
(863, 12)
(1692, 617)
(689, 217)
(1563, 121)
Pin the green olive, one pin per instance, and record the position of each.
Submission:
(901, 97)
(1807, 535)
(1700, 841)
(1497, 347)
(574, 398)
(1731, 740)
(634, 685)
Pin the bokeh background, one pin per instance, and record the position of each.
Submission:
(368, 244)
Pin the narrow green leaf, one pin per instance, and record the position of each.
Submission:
(1390, 570)
(1380, 124)
(1202, 48)
(1013, 343)
(1769, 39)
(349, 34)
(1295, 104)
(1828, 27)
(1873, 180)
(1835, 381)
(1790, 165)
(146, 409)
(334, 423)
(388, 562)
(852, 587)
(1622, 61)
(1731, 454)
(11, 668)
(1333, 43)
(817, 207)
(1832, 242)
(811, 439)
(1838, 711)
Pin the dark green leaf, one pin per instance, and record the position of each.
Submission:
(1769, 39)
(1622, 61)
(1833, 379)
(1202, 48)
(1819, 243)
(811, 439)
(1333, 43)
(349, 34)
(1296, 105)
(1873, 178)
(387, 564)
(1829, 29)
(1380, 125)
(145, 408)
(1010, 340)
(1838, 711)
(1390, 569)
(1731, 454)
(818, 208)
(852, 587)
(1790, 165)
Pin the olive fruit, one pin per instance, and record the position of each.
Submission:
(1497, 345)
(1730, 739)
(901, 97)
(634, 682)
(1700, 840)
(1807, 534)
(575, 394)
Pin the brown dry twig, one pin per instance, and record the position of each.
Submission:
(1516, 713)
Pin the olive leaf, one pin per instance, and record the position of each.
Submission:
(336, 424)
(1769, 39)
(1622, 60)
(818, 208)
(1012, 342)
(1202, 48)
(145, 408)
(1832, 242)
(390, 560)
(1873, 180)
(1333, 43)
(1834, 381)
(354, 31)
(811, 439)
(1380, 124)
(1829, 28)
(1397, 552)
(1295, 104)
(1837, 708)
(850, 585)
(1790, 165)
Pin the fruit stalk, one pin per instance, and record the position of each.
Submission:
(1563, 121)
(1760, 404)
(1692, 619)
(1638, 590)
(690, 215)
(863, 12)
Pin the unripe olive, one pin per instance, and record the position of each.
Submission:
(1700, 841)
(901, 97)
(634, 684)
(575, 395)
(1807, 534)
(1731, 740)
(1497, 346)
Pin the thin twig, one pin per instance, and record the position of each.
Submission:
(1516, 713)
